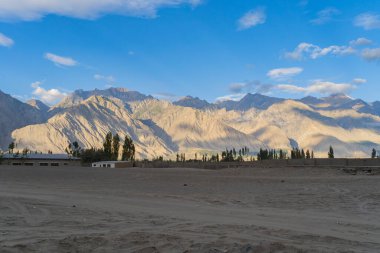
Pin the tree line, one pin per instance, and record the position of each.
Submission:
(112, 146)
(109, 152)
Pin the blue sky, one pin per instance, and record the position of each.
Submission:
(213, 49)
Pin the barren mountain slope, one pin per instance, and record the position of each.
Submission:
(193, 129)
(88, 123)
(15, 114)
(162, 128)
(318, 130)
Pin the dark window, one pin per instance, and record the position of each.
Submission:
(29, 164)
(16, 164)
(55, 164)
(65, 164)
(44, 164)
(108, 165)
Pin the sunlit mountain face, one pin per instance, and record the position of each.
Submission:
(193, 125)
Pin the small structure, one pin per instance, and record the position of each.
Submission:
(112, 164)
(55, 160)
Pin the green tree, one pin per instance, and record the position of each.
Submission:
(129, 150)
(11, 147)
(73, 149)
(107, 146)
(228, 156)
(331, 152)
(373, 153)
(92, 155)
(183, 157)
(265, 154)
(308, 154)
(115, 147)
(25, 151)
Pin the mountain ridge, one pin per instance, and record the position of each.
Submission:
(163, 128)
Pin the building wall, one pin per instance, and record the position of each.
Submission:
(33, 162)
(124, 165)
(103, 165)
(112, 165)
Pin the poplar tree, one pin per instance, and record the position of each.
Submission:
(331, 152)
(115, 147)
(11, 147)
(373, 153)
(129, 150)
(107, 146)
(308, 154)
(73, 149)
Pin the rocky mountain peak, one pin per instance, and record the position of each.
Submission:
(193, 102)
(39, 105)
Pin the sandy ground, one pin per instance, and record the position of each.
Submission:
(188, 210)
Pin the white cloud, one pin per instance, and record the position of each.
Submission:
(50, 97)
(325, 15)
(233, 97)
(313, 51)
(368, 21)
(35, 85)
(360, 42)
(371, 54)
(359, 81)
(252, 18)
(5, 41)
(319, 87)
(86, 9)
(283, 73)
(60, 60)
(108, 79)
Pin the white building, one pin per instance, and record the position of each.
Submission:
(112, 164)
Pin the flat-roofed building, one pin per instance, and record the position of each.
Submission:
(54, 160)
(112, 164)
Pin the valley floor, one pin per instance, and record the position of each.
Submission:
(187, 210)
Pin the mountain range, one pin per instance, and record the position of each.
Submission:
(192, 125)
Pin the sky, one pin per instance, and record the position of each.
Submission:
(212, 49)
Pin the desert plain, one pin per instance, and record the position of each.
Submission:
(79, 209)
